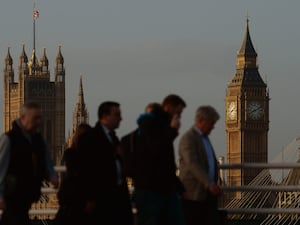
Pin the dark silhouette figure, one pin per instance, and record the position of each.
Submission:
(156, 184)
(128, 145)
(101, 166)
(72, 205)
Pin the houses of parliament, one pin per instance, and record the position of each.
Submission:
(246, 103)
(34, 83)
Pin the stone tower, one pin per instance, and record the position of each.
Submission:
(247, 115)
(80, 114)
(34, 84)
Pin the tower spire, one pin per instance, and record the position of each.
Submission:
(80, 114)
(246, 67)
(247, 48)
(80, 93)
(8, 58)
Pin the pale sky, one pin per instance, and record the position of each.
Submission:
(138, 51)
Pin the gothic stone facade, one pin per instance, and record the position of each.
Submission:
(33, 84)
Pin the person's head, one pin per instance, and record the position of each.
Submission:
(109, 114)
(31, 116)
(81, 129)
(173, 105)
(153, 106)
(205, 119)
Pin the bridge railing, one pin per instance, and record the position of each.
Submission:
(243, 188)
(278, 188)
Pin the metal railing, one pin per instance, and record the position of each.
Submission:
(243, 188)
(261, 188)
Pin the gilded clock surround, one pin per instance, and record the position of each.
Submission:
(231, 110)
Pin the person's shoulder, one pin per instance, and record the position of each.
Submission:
(70, 153)
(88, 134)
(85, 138)
(4, 138)
(4, 135)
(189, 132)
(129, 135)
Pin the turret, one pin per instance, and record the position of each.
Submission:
(8, 67)
(59, 68)
(23, 67)
(8, 61)
(44, 63)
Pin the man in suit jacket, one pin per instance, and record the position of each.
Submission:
(198, 169)
(101, 167)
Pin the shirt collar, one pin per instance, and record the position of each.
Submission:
(199, 131)
(106, 130)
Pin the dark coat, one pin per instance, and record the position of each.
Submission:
(128, 146)
(97, 162)
(27, 166)
(155, 161)
(71, 201)
(26, 171)
(97, 157)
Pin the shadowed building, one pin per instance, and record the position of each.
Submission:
(33, 83)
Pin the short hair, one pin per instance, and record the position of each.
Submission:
(152, 106)
(206, 112)
(105, 108)
(173, 100)
(29, 105)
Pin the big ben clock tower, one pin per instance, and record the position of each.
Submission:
(247, 115)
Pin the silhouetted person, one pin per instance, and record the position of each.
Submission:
(128, 143)
(102, 169)
(72, 204)
(24, 164)
(156, 184)
(198, 170)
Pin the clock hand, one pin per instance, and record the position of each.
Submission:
(254, 110)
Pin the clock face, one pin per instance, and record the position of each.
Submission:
(255, 110)
(232, 110)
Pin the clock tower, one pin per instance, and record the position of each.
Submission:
(247, 115)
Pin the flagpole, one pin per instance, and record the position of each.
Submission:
(34, 9)
(34, 27)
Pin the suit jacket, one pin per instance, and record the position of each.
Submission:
(193, 166)
(98, 172)
(97, 160)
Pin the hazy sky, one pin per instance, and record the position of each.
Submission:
(138, 51)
